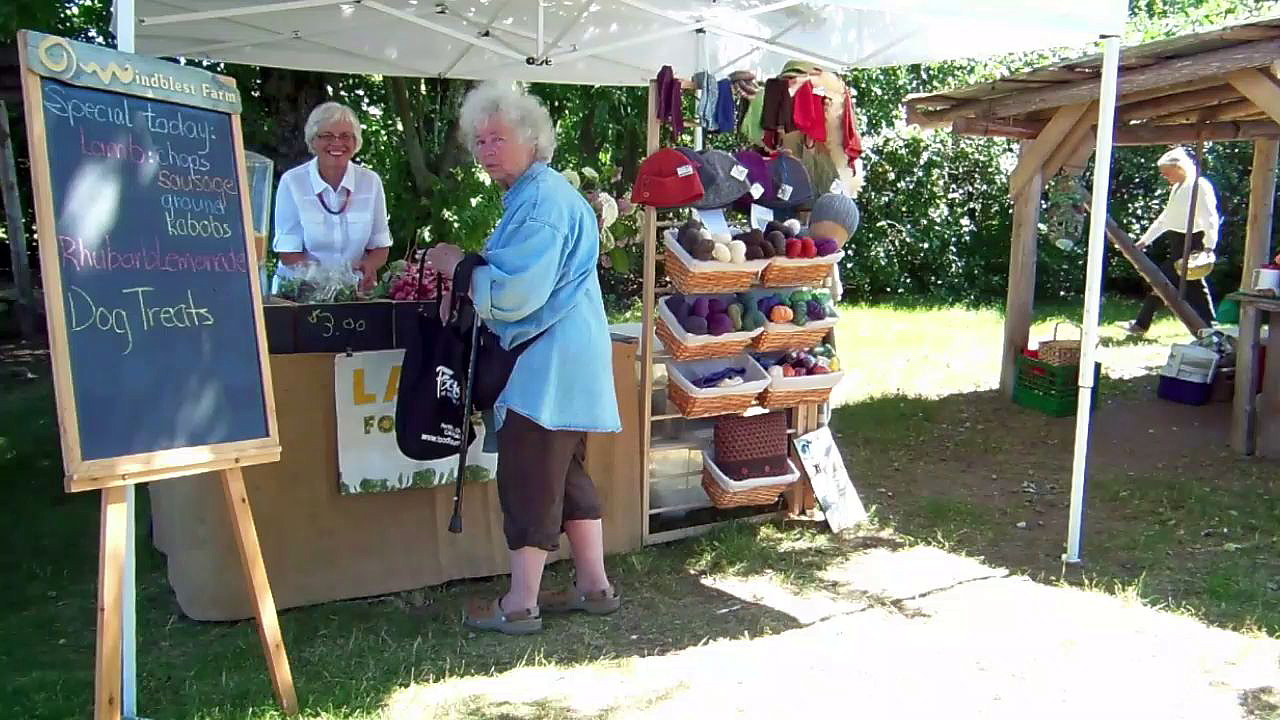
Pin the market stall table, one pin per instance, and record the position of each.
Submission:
(320, 545)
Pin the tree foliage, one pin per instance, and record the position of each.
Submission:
(935, 211)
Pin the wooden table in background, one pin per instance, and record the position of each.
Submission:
(1255, 423)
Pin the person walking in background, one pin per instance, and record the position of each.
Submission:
(1179, 169)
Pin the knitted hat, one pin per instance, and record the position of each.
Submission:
(729, 180)
(834, 216)
(666, 180)
(791, 186)
(705, 174)
(757, 174)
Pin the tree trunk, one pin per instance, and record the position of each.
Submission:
(288, 97)
(411, 135)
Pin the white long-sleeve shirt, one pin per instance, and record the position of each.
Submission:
(1174, 216)
(303, 225)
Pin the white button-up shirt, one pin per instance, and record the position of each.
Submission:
(303, 225)
(1174, 216)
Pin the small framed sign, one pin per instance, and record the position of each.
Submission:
(830, 480)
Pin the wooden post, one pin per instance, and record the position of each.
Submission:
(17, 234)
(1262, 192)
(649, 236)
(1244, 415)
(111, 556)
(1022, 276)
(255, 572)
(1152, 274)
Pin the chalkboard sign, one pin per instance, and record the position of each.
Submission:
(151, 281)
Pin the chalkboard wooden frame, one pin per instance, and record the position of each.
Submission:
(103, 69)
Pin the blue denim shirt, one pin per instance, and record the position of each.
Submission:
(542, 276)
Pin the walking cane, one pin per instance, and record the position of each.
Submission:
(455, 523)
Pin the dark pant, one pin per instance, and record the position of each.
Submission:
(1197, 290)
(541, 482)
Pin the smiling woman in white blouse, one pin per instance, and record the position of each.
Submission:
(329, 210)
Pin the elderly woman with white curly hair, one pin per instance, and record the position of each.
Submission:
(535, 282)
(329, 210)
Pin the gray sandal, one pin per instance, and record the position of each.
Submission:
(600, 602)
(487, 614)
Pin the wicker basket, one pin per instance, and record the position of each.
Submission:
(683, 346)
(1059, 352)
(697, 277)
(726, 493)
(778, 398)
(694, 402)
(788, 336)
(790, 272)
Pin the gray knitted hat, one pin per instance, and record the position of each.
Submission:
(729, 183)
(835, 216)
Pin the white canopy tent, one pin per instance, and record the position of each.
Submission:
(608, 42)
(625, 42)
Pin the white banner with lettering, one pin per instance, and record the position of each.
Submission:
(369, 460)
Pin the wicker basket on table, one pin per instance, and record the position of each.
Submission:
(694, 402)
(793, 272)
(1059, 352)
(728, 493)
(697, 277)
(682, 346)
(794, 392)
(788, 336)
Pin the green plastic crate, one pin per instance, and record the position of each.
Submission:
(1050, 389)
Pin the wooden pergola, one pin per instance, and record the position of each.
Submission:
(1213, 86)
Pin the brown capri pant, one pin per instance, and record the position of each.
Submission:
(541, 482)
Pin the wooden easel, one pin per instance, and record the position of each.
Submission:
(79, 65)
(111, 559)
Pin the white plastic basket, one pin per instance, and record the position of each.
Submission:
(730, 485)
(672, 246)
(689, 338)
(755, 380)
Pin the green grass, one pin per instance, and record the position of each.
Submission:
(922, 437)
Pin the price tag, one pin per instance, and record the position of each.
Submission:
(739, 172)
(714, 221)
(684, 170)
(784, 192)
(760, 216)
(756, 191)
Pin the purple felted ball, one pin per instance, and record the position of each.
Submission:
(719, 324)
(694, 325)
(678, 307)
(701, 307)
(715, 305)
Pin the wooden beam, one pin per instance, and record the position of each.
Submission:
(1080, 133)
(1177, 102)
(1034, 154)
(1213, 113)
(1014, 129)
(1262, 195)
(1192, 67)
(1020, 300)
(1075, 164)
(1259, 87)
(1206, 132)
(1152, 274)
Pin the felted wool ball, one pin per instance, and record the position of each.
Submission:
(793, 225)
(721, 253)
(737, 251)
(722, 238)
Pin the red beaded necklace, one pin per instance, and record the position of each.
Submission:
(346, 200)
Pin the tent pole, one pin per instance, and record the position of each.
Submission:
(1093, 288)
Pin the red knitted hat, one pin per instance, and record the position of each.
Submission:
(667, 180)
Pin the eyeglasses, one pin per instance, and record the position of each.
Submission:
(328, 137)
